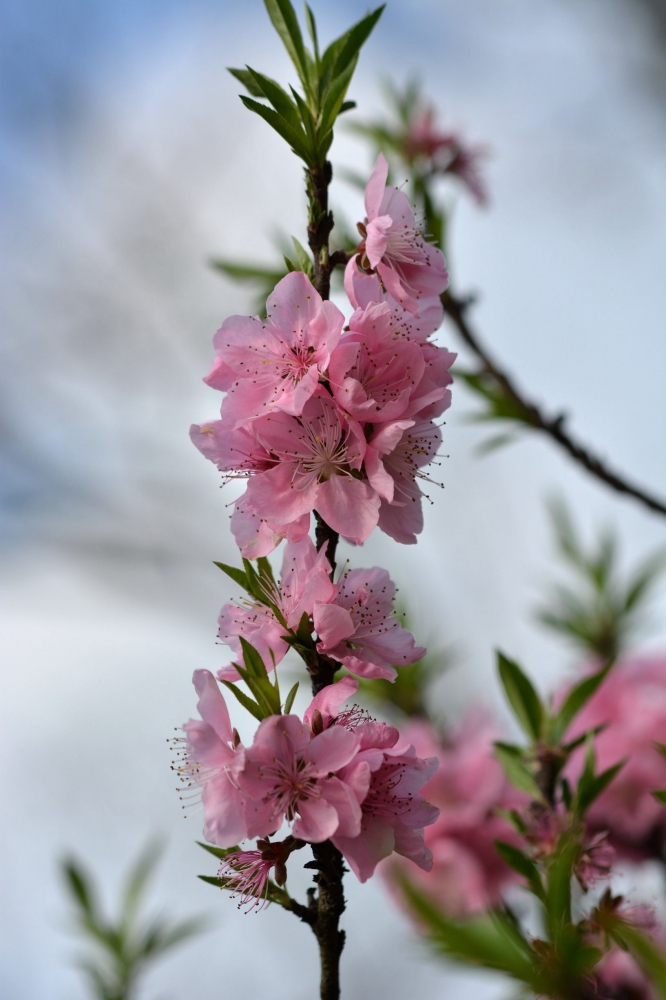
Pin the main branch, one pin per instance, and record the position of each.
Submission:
(553, 427)
(329, 904)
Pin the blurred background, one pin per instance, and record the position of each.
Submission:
(127, 162)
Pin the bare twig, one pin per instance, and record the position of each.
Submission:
(456, 310)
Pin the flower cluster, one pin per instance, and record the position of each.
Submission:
(341, 420)
(335, 775)
(353, 618)
(445, 152)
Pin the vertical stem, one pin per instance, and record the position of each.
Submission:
(330, 902)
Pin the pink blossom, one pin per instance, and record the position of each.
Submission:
(448, 153)
(631, 703)
(318, 460)
(387, 776)
(467, 875)
(291, 774)
(409, 267)
(327, 704)
(214, 760)
(371, 375)
(543, 831)
(257, 536)
(246, 874)
(305, 580)
(619, 975)
(364, 288)
(358, 628)
(276, 364)
(395, 457)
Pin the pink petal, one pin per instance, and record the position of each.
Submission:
(332, 749)
(364, 668)
(220, 376)
(374, 191)
(273, 495)
(318, 820)
(349, 506)
(205, 745)
(363, 853)
(346, 804)
(332, 624)
(377, 239)
(396, 288)
(224, 811)
(329, 699)
(404, 522)
(362, 288)
(211, 706)
(381, 481)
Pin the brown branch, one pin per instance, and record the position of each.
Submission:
(553, 427)
(326, 908)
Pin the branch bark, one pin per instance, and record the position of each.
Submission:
(328, 905)
(553, 427)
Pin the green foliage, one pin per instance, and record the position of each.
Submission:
(266, 699)
(306, 122)
(522, 697)
(602, 611)
(119, 951)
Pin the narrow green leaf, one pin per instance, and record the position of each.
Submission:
(593, 789)
(346, 106)
(252, 659)
(335, 95)
(519, 776)
(138, 879)
(246, 702)
(660, 796)
(650, 958)
(248, 81)
(520, 863)
(353, 41)
(285, 22)
(312, 31)
(521, 696)
(217, 852)
(237, 575)
(289, 701)
(80, 887)
(248, 272)
(280, 100)
(296, 140)
(579, 695)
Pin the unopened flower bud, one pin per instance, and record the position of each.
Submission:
(317, 722)
(280, 873)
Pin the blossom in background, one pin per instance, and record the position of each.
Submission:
(631, 704)
(410, 268)
(304, 581)
(447, 152)
(467, 873)
(213, 758)
(358, 628)
(275, 364)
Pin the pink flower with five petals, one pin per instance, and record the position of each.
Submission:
(409, 267)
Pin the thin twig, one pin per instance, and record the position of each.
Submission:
(456, 309)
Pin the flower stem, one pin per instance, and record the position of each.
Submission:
(329, 904)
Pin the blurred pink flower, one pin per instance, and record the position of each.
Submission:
(631, 704)
(305, 580)
(358, 628)
(467, 873)
(290, 774)
(275, 364)
(448, 153)
(619, 976)
(409, 267)
(214, 759)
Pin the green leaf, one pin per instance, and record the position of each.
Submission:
(591, 785)
(296, 140)
(492, 941)
(237, 575)
(513, 817)
(80, 887)
(248, 81)
(138, 879)
(520, 863)
(248, 272)
(246, 702)
(303, 257)
(289, 701)
(217, 852)
(579, 695)
(521, 696)
(352, 42)
(650, 958)
(660, 796)
(335, 95)
(346, 106)
(285, 22)
(280, 100)
(312, 31)
(519, 776)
